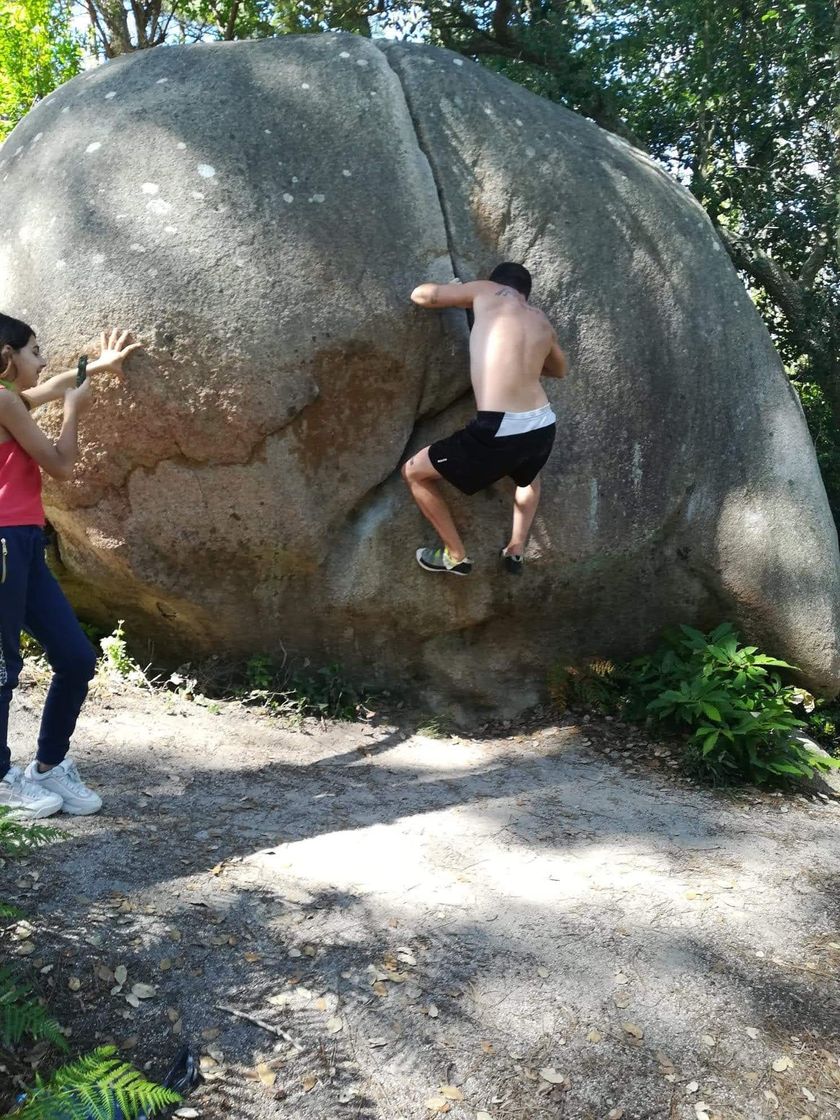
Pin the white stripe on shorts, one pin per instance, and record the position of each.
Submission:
(515, 423)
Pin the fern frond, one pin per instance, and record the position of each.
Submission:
(17, 837)
(21, 1014)
(602, 668)
(7, 911)
(96, 1086)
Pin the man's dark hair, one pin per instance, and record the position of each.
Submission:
(512, 276)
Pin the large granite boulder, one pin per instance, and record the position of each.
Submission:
(259, 212)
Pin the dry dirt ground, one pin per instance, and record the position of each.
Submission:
(541, 922)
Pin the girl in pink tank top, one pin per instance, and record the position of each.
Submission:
(30, 597)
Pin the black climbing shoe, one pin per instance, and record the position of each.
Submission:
(513, 565)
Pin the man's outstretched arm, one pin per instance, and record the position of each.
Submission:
(449, 295)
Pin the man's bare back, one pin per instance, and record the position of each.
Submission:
(512, 344)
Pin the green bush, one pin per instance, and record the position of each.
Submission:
(730, 702)
(323, 694)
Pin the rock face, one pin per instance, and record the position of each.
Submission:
(259, 212)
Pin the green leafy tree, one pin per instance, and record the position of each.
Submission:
(38, 51)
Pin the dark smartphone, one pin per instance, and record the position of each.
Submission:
(81, 370)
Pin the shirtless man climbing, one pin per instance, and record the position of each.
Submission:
(512, 345)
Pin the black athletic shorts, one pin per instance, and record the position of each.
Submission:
(496, 445)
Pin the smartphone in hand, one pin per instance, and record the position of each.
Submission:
(81, 370)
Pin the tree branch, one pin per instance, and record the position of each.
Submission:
(816, 259)
(230, 26)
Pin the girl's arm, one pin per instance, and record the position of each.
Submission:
(114, 352)
(58, 458)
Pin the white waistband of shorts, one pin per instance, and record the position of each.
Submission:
(515, 423)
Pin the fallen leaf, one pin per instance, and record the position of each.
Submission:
(594, 1036)
(432, 1011)
(438, 1104)
(143, 991)
(781, 1064)
(483, 1116)
(266, 1074)
(187, 1113)
(633, 1030)
(542, 971)
(374, 1042)
(210, 1033)
(165, 965)
(488, 1048)
(621, 999)
(120, 974)
(309, 1083)
(335, 1024)
(808, 1095)
(132, 999)
(451, 1092)
(615, 1114)
(74, 983)
(752, 1032)
(550, 1074)
(251, 958)
(707, 1040)
(692, 1087)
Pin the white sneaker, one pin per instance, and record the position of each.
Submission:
(64, 780)
(25, 800)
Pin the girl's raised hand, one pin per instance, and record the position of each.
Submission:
(115, 349)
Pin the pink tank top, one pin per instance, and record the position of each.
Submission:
(20, 486)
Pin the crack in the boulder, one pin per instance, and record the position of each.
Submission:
(427, 155)
(417, 128)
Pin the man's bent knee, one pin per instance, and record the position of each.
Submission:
(419, 468)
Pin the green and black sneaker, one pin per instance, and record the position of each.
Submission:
(439, 560)
(512, 563)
